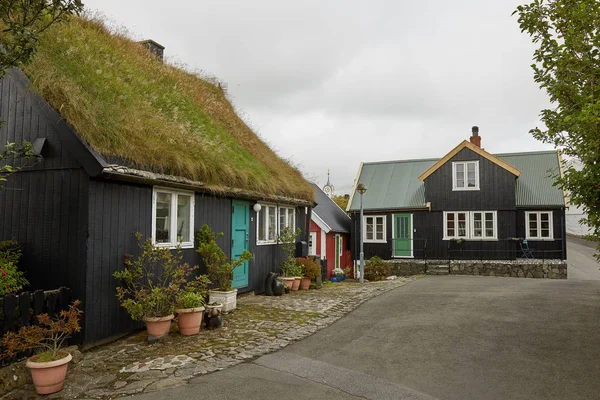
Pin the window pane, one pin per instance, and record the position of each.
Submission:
(379, 228)
(163, 217)
(291, 212)
(272, 231)
(282, 219)
(471, 174)
(460, 175)
(489, 225)
(184, 206)
(462, 224)
(477, 228)
(369, 226)
(533, 225)
(262, 224)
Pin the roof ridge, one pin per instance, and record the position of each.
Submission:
(523, 153)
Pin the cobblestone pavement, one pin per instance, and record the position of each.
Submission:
(259, 326)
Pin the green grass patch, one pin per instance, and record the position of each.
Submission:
(138, 111)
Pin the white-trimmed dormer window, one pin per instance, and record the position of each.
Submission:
(465, 175)
(172, 218)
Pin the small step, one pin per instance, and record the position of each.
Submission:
(438, 270)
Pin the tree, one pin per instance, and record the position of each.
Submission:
(567, 65)
(341, 201)
(21, 23)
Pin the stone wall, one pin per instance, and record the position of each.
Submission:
(520, 268)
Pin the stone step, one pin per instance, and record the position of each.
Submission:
(438, 270)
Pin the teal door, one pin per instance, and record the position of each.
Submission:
(240, 228)
(402, 235)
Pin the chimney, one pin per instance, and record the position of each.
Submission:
(475, 138)
(154, 48)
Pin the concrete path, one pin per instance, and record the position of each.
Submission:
(580, 258)
(448, 337)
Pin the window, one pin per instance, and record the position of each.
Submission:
(539, 225)
(374, 229)
(172, 218)
(271, 220)
(465, 175)
(475, 225)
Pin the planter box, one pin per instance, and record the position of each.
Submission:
(228, 299)
(338, 278)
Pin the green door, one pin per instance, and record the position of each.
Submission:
(338, 250)
(240, 228)
(402, 235)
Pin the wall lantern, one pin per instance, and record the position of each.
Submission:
(257, 207)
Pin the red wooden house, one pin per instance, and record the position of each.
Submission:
(330, 232)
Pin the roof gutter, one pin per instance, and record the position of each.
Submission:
(127, 174)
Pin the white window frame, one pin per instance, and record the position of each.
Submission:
(173, 243)
(539, 225)
(455, 187)
(278, 210)
(470, 226)
(374, 240)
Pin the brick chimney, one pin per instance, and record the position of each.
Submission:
(475, 138)
(154, 48)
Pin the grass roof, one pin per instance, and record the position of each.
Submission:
(131, 107)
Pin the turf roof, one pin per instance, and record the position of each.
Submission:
(137, 111)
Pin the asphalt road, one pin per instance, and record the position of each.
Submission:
(448, 337)
(580, 257)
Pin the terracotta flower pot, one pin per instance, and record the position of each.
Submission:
(305, 283)
(296, 284)
(48, 377)
(189, 320)
(288, 281)
(158, 327)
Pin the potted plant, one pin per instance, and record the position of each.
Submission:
(151, 284)
(49, 367)
(190, 306)
(290, 268)
(220, 268)
(311, 269)
(337, 275)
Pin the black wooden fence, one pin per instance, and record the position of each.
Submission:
(21, 310)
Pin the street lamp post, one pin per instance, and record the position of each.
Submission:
(361, 189)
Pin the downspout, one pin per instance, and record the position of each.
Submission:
(564, 234)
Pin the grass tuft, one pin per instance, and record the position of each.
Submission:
(135, 110)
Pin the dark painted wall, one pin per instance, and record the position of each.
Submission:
(497, 187)
(543, 248)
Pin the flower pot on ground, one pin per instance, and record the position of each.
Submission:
(219, 268)
(311, 269)
(48, 368)
(296, 284)
(337, 275)
(288, 281)
(189, 313)
(151, 284)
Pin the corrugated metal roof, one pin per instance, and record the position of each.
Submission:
(330, 212)
(395, 184)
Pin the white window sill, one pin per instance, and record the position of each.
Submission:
(265, 243)
(174, 246)
(464, 189)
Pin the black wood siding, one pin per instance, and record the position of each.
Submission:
(497, 187)
(428, 231)
(555, 249)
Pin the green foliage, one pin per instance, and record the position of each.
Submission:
(309, 267)
(21, 23)
(376, 269)
(341, 201)
(49, 334)
(567, 66)
(14, 152)
(219, 267)
(153, 281)
(287, 237)
(190, 300)
(127, 104)
(11, 279)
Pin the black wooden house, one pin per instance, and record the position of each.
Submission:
(75, 209)
(469, 204)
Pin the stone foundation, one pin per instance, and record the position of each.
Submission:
(551, 269)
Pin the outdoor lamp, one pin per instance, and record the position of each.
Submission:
(362, 189)
(257, 207)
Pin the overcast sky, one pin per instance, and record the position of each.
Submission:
(329, 84)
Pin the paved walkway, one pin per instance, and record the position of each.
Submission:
(581, 261)
(260, 325)
(449, 337)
